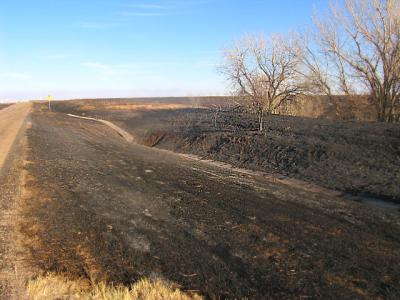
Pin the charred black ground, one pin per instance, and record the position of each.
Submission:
(104, 209)
(359, 158)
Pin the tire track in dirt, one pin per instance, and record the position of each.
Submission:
(127, 136)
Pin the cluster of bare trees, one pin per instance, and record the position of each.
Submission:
(353, 51)
(263, 72)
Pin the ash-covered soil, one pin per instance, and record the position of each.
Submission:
(358, 158)
(352, 157)
(104, 209)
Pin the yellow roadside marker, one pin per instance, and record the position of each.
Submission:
(49, 98)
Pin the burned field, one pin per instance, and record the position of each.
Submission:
(100, 208)
(360, 159)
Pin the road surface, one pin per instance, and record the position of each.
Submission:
(13, 122)
(105, 209)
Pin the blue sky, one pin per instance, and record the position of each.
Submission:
(121, 48)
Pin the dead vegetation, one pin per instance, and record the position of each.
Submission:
(134, 106)
(263, 73)
(354, 53)
(333, 108)
(134, 213)
(356, 158)
(359, 54)
(55, 287)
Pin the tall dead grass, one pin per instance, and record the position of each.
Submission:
(52, 287)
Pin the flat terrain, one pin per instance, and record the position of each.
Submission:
(101, 208)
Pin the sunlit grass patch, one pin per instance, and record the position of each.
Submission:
(51, 287)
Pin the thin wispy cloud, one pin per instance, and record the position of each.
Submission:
(150, 6)
(192, 2)
(55, 56)
(96, 65)
(146, 10)
(95, 25)
(158, 10)
(141, 14)
(102, 69)
(144, 68)
(111, 70)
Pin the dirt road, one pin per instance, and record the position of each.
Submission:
(13, 122)
(105, 209)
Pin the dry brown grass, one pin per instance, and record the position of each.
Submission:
(133, 106)
(150, 106)
(51, 287)
(356, 285)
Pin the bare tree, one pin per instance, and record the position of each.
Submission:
(358, 52)
(215, 112)
(325, 74)
(263, 72)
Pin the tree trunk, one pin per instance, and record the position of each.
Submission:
(261, 121)
(381, 109)
(391, 112)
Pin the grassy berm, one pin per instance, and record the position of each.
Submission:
(357, 158)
